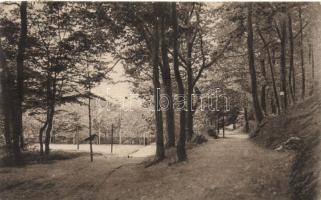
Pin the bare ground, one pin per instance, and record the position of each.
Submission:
(233, 168)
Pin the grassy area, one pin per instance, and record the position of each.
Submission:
(34, 157)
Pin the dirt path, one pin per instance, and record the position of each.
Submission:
(231, 168)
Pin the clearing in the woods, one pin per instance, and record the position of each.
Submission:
(229, 168)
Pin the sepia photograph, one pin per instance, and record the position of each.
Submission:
(160, 100)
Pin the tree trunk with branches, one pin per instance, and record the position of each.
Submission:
(20, 67)
(302, 54)
(283, 60)
(256, 105)
(181, 151)
(160, 151)
(166, 76)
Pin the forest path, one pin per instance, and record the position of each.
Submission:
(233, 168)
(224, 169)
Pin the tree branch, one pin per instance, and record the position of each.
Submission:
(215, 58)
(277, 29)
(298, 33)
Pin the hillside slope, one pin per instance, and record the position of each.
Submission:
(302, 121)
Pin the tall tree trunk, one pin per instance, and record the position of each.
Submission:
(51, 95)
(217, 123)
(20, 60)
(257, 108)
(11, 119)
(292, 70)
(181, 151)
(283, 61)
(6, 121)
(89, 112)
(264, 85)
(49, 105)
(302, 54)
(271, 64)
(41, 131)
(312, 66)
(99, 133)
(44, 128)
(77, 137)
(166, 76)
(273, 108)
(4, 100)
(160, 152)
(189, 90)
(246, 118)
(49, 128)
(89, 127)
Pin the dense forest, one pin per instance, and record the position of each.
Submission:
(54, 54)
